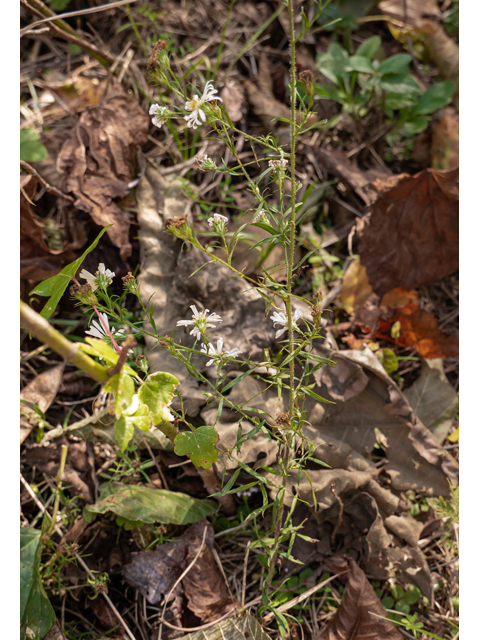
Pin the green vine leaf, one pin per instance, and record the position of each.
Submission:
(157, 393)
(199, 445)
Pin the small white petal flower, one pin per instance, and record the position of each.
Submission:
(97, 330)
(279, 317)
(197, 115)
(105, 272)
(90, 278)
(157, 112)
(218, 351)
(201, 321)
(217, 219)
(275, 164)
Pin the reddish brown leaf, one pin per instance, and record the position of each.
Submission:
(97, 161)
(411, 234)
(353, 619)
(419, 329)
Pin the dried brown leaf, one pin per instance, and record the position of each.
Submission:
(97, 161)
(353, 619)
(355, 286)
(411, 234)
(40, 391)
(154, 573)
(410, 11)
(445, 140)
(233, 97)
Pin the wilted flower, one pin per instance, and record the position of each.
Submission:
(218, 351)
(102, 278)
(218, 222)
(275, 164)
(197, 115)
(279, 317)
(201, 321)
(260, 216)
(157, 112)
(205, 164)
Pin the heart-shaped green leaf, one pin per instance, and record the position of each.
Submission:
(199, 445)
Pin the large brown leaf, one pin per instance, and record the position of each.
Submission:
(411, 234)
(353, 619)
(97, 161)
(155, 573)
(41, 391)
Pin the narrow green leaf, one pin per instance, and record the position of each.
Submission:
(314, 395)
(56, 285)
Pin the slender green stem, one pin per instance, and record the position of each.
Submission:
(61, 469)
(279, 515)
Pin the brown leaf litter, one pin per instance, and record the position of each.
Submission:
(411, 233)
(354, 618)
(162, 574)
(96, 162)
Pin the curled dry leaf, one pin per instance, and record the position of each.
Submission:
(97, 161)
(353, 619)
(155, 573)
(419, 329)
(40, 391)
(411, 233)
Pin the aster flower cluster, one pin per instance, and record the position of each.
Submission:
(159, 114)
(276, 164)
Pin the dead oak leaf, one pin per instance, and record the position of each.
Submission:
(97, 161)
(354, 619)
(419, 329)
(411, 234)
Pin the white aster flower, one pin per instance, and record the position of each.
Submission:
(218, 352)
(97, 329)
(102, 277)
(157, 112)
(201, 321)
(197, 116)
(279, 317)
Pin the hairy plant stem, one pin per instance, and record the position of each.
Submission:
(293, 89)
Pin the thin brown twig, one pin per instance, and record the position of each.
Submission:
(48, 187)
